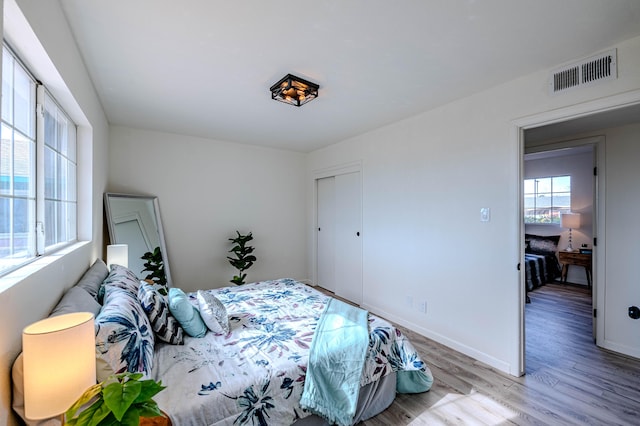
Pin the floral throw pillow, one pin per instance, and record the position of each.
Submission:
(166, 327)
(123, 277)
(124, 337)
(213, 313)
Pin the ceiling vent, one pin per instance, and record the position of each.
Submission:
(590, 70)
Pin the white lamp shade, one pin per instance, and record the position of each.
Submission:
(59, 363)
(118, 254)
(570, 220)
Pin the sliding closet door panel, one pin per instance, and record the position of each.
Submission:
(348, 230)
(326, 233)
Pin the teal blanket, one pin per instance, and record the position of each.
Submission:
(338, 351)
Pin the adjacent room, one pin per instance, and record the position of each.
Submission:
(447, 188)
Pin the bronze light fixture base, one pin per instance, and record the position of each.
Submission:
(294, 90)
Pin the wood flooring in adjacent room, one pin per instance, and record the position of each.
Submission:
(569, 380)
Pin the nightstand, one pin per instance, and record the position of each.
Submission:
(575, 258)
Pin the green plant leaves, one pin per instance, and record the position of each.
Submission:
(243, 258)
(149, 409)
(119, 396)
(155, 266)
(87, 396)
(120, 400)
(148, 390)
(95, 414)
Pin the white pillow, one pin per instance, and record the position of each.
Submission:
(213, 313)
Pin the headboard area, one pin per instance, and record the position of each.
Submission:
(82, 297)
(29, 295)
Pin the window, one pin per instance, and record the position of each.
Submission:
(59, 175)
(38, 199)
(545, 198)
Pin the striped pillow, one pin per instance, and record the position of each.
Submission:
(166, 327)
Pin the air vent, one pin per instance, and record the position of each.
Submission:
(590, 70)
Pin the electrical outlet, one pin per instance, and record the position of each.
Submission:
(422, 306)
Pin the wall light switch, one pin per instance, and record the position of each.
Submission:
(485, 214)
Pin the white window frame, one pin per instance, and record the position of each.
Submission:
(553, 208)
(37, 241)
(65, 158)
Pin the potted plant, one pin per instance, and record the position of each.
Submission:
(155, 265)
(244, 259)
(121, 399)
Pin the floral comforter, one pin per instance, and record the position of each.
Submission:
(255, 374)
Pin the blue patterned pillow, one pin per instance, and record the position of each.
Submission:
(166, 327)
(122, 277)
(124, 338)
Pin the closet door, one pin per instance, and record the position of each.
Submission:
(348, 245)
(326, 233)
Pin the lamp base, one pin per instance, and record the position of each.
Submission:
(569, 249)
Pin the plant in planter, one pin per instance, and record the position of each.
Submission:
(244, 259)
(155, 265)
(120, 400)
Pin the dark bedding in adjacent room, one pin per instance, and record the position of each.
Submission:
(540, 260)
(540, 269)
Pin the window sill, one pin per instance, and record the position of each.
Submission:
(42, 262)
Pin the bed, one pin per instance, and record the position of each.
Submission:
(540, 260)
(270, 363)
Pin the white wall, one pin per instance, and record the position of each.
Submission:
(580, 168)
(425, 180)
(207, 190)
(45, 43)
(621, 249)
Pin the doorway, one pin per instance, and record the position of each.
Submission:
(559, 124)
(559, 178)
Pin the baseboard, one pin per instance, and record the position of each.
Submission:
(621, 349)
(505, 367)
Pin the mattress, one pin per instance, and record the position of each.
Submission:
(255, 374)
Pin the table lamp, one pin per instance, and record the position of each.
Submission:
(59, 363)
(571, 221)
(118, 254)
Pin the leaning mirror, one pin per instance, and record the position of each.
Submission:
(135, 220)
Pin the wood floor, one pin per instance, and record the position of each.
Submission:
(568, 381)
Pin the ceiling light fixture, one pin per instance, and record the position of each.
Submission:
(294, 90)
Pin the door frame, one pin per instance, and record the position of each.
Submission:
(559, 115)
(338, 169)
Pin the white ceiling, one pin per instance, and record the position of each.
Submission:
(204, 67)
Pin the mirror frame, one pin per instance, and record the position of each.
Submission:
(108, 196)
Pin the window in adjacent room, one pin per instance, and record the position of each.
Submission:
(38, 201)
(545, 198)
